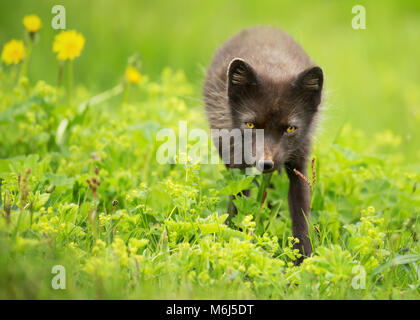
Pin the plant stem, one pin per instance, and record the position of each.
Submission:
(126, 92)
(69, 81)
(60, 72)
(26, 60)
(15, 232)
(265, 182)
(17, 74)
(230, 211)
(1, 199)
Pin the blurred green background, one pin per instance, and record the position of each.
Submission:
(372, 75)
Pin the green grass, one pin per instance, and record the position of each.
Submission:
(167, 237)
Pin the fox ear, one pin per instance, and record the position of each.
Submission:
(241, 79)
(310, 80)
(309, 85)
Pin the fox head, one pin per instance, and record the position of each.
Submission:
(284, 107)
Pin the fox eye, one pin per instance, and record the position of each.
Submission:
(250, 125)
(290, 129)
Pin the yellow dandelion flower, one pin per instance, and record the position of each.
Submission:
(32, 23)
(132, 75)
(68, 45)
(13, 52)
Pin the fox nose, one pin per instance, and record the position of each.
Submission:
(265, 165)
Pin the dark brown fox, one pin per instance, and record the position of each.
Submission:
(262, 79)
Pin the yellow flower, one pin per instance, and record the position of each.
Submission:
(13, 52)
(32, 23)
(68, 45)
(132, 75)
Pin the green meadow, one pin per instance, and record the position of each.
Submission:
(80, 186)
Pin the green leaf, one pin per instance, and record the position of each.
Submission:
(398, 260)
(59, 180)
(211, 228)
(235, 187)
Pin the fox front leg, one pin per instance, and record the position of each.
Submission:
(299, 205)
